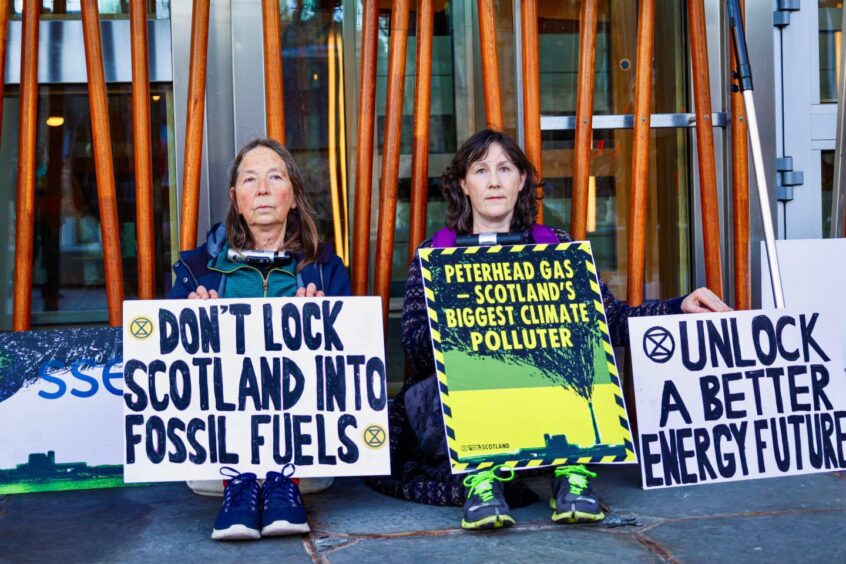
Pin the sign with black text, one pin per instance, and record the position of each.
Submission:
(740, 395)
(254, 384)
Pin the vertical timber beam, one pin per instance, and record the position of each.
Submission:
(740, 194)
(142, 140)
(364, 154)
(420, 148)
(27, 156)
(705, 146)
(640, 160)
(584, 118)
(531, 90)
(391, 154)
(103, 162)
(490, 64)
(196, 108)
(273, 89)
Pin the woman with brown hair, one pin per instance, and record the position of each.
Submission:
(490, 189)
(267, 247)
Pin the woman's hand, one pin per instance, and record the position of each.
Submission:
(202, 294)
(703, 300)
(309, 291)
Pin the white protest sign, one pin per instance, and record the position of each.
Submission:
(739, 395)
(812, 275)
(254, 384)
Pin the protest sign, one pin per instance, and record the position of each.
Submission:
(254, 384)
(524, 360)
(812, 275)
(739, 395)
(60, 410)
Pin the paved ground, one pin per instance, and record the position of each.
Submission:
(797, 519)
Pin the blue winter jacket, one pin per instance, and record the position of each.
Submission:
(328, 273)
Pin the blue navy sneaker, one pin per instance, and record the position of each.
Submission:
(282, 511)
(239, 517)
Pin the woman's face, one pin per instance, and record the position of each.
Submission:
(263, 193)
(492, 184)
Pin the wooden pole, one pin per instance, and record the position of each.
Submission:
(273, 88)
(420, 148)
(27, 157)
(740, 195)
(194, 125)
(531, 90)
(705, 146)
(364, 155)
(103, 163)
(584, 118)
(142, 140)
(640, 160)
(391, 154)
(490, 64)
(640, 179)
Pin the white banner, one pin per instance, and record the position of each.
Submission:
(254, 384)
(739, 395)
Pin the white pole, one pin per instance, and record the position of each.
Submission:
(764, 199)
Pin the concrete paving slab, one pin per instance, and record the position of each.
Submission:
(619, 488)
(139, 524)
(520, 544)
(351, 507)
(795, 536)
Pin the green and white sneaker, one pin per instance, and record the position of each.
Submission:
(573, 501)
(485, 507)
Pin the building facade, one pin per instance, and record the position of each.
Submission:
(795, 59)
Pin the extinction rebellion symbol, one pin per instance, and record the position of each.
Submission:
(141, 328)
(374, 436)
(658, 344)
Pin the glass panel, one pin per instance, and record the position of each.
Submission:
(68, 279)
(315, 114)
(611, 160)
(442, 123)
(109, 9)
(667, 225)
(442, 107)
(827, 174)
(830, 12)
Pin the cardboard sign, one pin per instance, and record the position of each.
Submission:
(739, 395)
(812, 275)
(60, 410)
(254, 384)
(523, 356)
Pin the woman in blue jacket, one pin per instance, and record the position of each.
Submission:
(267, 247)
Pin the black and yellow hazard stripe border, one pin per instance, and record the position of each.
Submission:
(459, 467)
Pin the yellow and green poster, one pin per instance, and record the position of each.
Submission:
(523, 357)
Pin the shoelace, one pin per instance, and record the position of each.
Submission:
(577, 476)
(481, 483)
(241, 489)
(280, 488)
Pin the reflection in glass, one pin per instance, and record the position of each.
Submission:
(442, 107)
(667, 238)
(68, 277)
(830, 13)
(827, 174)
(667, 225)
(109, 9)
(315, 114)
